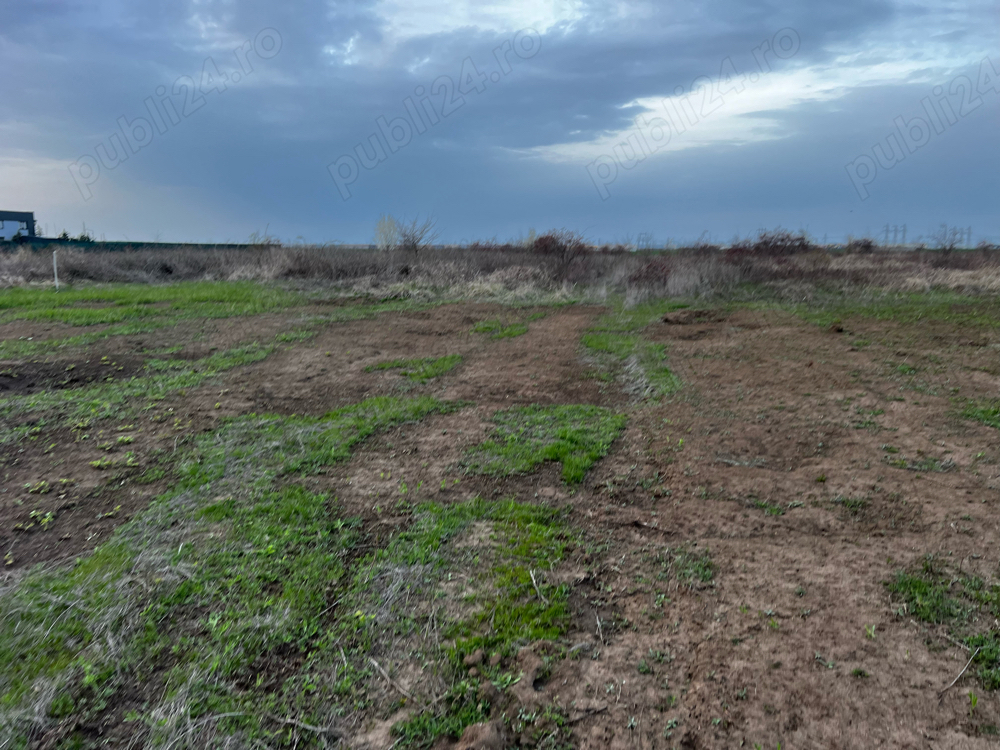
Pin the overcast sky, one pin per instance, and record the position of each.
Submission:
(621, 120)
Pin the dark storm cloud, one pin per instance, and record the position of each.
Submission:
(258, 152)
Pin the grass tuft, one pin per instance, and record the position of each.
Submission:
(926, 596)
(420, 370)
(511, 602)
(617, 336)
(987, 412)
(500, 330)
(957, 601)
(576, 435)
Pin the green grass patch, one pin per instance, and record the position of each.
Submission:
(113, 303)
(636, 318)
(853, 505)
(208, 300)
(209, 595)
(461, 708)
(510, 609)
(294, 337)
(500, 330)
(987, 412)
(908, 308)
(615, 343)
(644, 361)
(650, 359)
(987, 659)
(616, 339)
(576, 435)
(24, 347)
(927, 596)
(420, 370)
(933, 595)
(688, 566)
(123, 399)
(768, 508)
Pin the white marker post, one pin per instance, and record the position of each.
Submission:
(55, 269)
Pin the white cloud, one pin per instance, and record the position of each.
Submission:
(403, 20)
(754, 114)
(406, 19)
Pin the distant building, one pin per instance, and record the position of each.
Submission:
(12, 222)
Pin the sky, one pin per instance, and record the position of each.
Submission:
(625, 121)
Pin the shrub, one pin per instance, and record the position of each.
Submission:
(563, 246)
(860, 245)
(769, 244)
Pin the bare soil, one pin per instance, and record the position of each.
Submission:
(779, 423)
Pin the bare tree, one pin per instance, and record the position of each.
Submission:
(414, 236)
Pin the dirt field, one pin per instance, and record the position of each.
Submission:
(726, 566)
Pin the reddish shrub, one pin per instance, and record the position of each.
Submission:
(563, 246)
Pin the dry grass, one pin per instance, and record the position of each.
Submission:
(553, 265)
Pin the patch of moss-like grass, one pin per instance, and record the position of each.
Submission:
(217, 598)
(123, 399)
(927, 597)
(650, 359)
(420, 370)
(576, 435)
(926, 464)
(295, 337)
(687, 566)
(500, 330)
(616, 339)
(170, 306)
(113, 303)
(987, 412)
(959, 602)
(967, 311)
(513, 604)
(617, 344)
(637, 317)
(22, 347)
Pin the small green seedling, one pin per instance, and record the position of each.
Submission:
(43, 519)
(669, 728)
